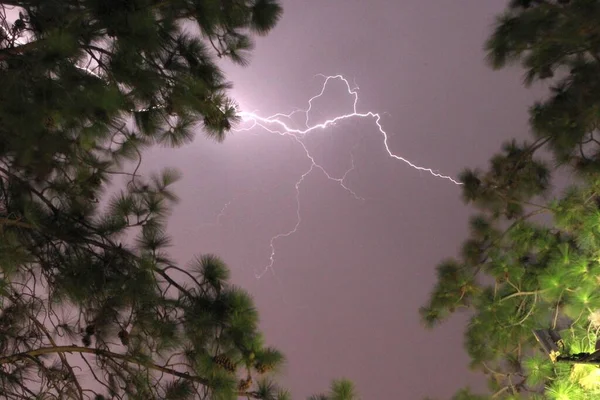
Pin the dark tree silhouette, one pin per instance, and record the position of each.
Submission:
(92, 306)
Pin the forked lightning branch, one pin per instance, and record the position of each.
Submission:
(282, 124)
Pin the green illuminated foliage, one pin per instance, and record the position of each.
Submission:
(532, 260)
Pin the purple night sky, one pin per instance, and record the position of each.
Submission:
(343, 300)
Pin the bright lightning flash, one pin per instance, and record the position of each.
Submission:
(275, 124)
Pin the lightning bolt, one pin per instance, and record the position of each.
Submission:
(222, 213)
(219, 216)
(277, 124)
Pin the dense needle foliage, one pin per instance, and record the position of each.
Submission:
(92, 306)
(532, 260)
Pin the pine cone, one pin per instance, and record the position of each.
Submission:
(169, 109)
(49, 123)
(219, 359)
(124, 337)
(224, 362)
(245, 384)
(19, 25)
(229, 366)
(262, 368)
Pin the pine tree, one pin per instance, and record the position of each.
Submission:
(341, 389)
(91, 304)
(532, 259)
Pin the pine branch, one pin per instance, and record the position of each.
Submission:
(96, 376)
(15, 51)
(14, 222)
(110, 246)
(183, 272)
(173, 282)
(499, 392)
(109, 354)
(63, 358)
(519, 293)
(105, 353)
